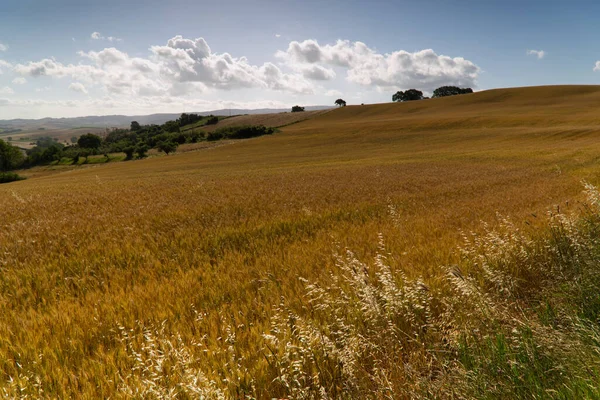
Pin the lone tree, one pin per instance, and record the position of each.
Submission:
(450, 91)
(135, 126)
(409, 95)
(167, 146)
(89, 141)
(297, 109)
(340, 103)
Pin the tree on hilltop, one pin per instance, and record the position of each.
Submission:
(409, 95)
(340, 103)
(444, 91)
(297, 109)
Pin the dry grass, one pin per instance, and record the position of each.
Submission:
(198, 249)
(268, 120)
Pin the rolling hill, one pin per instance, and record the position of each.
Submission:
(247, 268)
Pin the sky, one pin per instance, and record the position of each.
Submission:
(69, 58)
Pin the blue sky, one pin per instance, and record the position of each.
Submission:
(74, 58)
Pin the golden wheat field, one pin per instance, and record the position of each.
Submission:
(162, 278)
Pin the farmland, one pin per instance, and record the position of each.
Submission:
(170, 273)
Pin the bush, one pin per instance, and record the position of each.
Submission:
(242, 132)
(212, 120)
(6, 177)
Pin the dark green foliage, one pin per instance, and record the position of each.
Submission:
(47, 150)
(6, 177)
(141, 151)
(74, 139)
(11, 157)
(297, 109)
(409, 95)
(340, 103)
(240, 132)
(167, 146)
(89, 141)
(45, 142)
(450, 91)
(129, 151)
(171, 126)
(135, 126)
(213, 136)
(118, 135)
(212, 120)
(187, 119)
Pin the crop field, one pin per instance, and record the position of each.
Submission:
(245, 270)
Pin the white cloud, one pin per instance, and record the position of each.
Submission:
(318, 73)
(277, 35)
(3, 47)
(538, 53)
(423, 69)
(98, 36)
(173, 75)
(4, 64)
(181, 67)
(78, 87)
(43, 89)
(192, 60)
(19, 81)
(6, 90)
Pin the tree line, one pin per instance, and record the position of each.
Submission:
(134, 142)
(443, 91)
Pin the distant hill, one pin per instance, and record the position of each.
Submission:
(104, 121)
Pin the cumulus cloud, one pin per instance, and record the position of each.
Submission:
(277, 35)
(182, 66)
(400, 69)
(537, 53)
(333, 93)
(318, 73)
(19, 81)
(192, 60)
(3, 47)
(78, 87)
(6, 90)
(597, 66)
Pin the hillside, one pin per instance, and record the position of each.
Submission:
(274, 120)
(123, 121)
(195, 268)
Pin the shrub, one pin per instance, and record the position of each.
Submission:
(243, 132)
(212, 120)
(6, 177)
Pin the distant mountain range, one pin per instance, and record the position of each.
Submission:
(109, 121)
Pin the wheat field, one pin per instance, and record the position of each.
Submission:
(172, 277)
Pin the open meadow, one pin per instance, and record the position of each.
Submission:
(179, 275)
